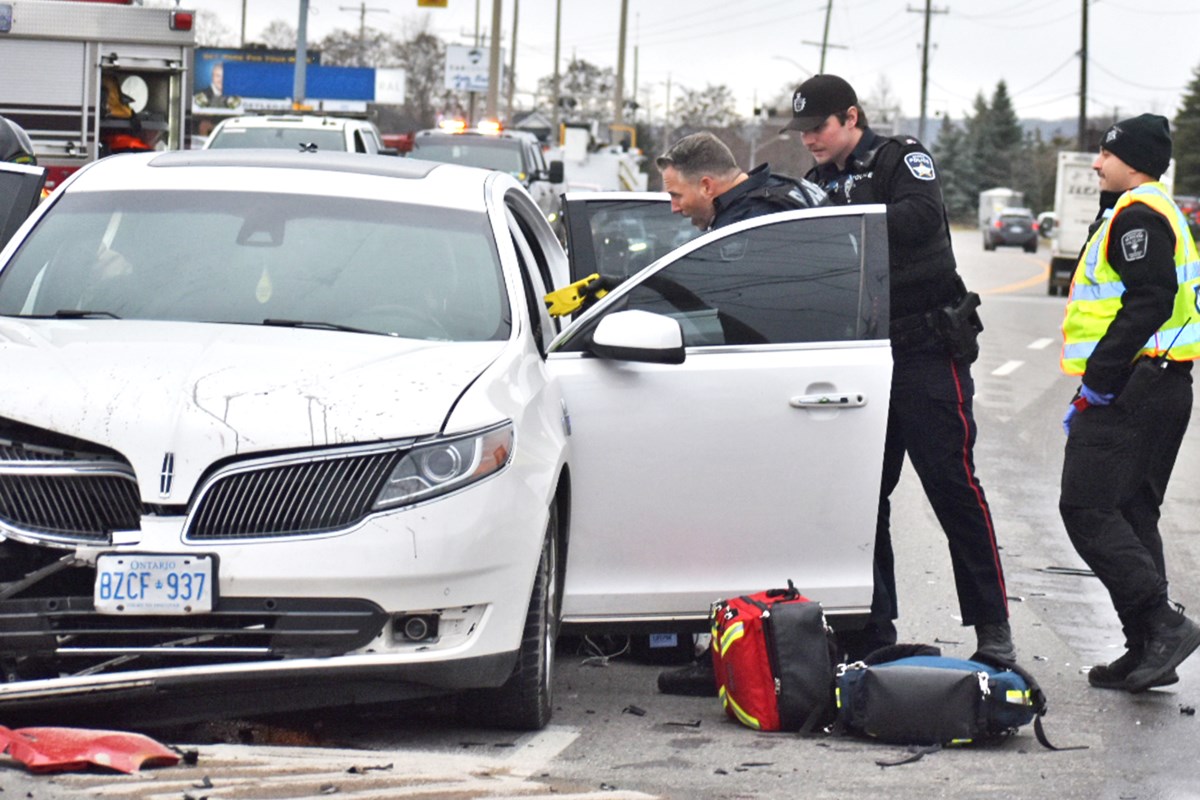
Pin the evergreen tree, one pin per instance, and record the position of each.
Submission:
(956, 170)
(1186, 134)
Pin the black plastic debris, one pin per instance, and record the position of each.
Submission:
(637, 711)
(1078, 571)
(693, 724)
(1187, 711)
(190, 757)
(357, 770)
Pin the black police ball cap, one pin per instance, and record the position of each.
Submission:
(1143, 142)
(817, 98)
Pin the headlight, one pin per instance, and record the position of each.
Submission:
(433, 469)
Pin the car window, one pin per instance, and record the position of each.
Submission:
(626, 236)
(531, 281)
(402, 269)
(788, 282)
(472, 151)
(360, 144)
(287, 137)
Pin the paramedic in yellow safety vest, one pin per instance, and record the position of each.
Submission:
(1131, 331)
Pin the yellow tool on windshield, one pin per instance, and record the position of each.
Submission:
(568, 299)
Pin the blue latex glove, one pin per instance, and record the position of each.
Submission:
(1093, 397)
(1071, 412)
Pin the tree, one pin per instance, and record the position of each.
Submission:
(883, 106)
(955, 166)
(279, 35)
(997, 137)
(423, 56)
(1186, 133)
(711, 107)
(211, 32)
(343, 48)
(586, 91)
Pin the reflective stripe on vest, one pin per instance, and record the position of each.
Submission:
(1096, 289)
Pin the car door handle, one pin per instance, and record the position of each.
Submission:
(848, 400)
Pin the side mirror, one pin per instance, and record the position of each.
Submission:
(556, 172)
(638, 336)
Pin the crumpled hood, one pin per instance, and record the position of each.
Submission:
(207, 391)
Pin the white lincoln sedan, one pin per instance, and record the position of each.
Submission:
(287, 429)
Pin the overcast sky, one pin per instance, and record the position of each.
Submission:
(1142, 53)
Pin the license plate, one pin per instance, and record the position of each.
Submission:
(1015, 229)
(147, 583)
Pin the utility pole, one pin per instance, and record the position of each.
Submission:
(512, 65)
(928, 11)
(1083, 59)
(557, 75)
(824, 43)
(299, 76)
(493, 95)
(619, 92)
(362, 28)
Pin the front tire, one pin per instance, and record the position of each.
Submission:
(524, 701)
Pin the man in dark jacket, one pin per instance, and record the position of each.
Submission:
(709, 188)
(933, 334)
(1131, 334)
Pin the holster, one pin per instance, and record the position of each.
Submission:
(959, 327)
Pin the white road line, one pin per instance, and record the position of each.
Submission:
(1007, 368)
(266, 772)
(1040, 344)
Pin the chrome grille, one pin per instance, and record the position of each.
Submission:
(310, 496)
(70, 500)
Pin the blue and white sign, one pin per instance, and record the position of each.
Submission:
(467, 68)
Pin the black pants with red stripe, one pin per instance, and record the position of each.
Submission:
(930, 419)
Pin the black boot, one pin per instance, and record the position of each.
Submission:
(995, 642)
(1171, 638)
(1114, 674)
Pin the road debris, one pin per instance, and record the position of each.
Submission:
(75, 749)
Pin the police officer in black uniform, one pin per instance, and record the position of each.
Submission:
(933, 335)
(1130, 334)
(707, 185)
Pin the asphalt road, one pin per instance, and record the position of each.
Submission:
(613, 735)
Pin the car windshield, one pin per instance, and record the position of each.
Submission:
(250, 257)
(472, 151)
(286, 137)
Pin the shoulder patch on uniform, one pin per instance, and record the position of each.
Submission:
(1133, 244)
(920, 165)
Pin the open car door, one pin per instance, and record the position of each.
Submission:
(20, 192)
(727, 409)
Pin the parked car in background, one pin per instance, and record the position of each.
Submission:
(1190, 206)
(518, 153)
(296, 429)
(1012, 227)
(293, 132)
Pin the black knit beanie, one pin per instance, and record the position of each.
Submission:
(1143, 142)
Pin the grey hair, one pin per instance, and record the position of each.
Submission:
(697, 155)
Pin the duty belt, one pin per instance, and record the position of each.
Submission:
(912, 330)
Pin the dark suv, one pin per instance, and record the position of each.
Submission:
(1012, 227)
